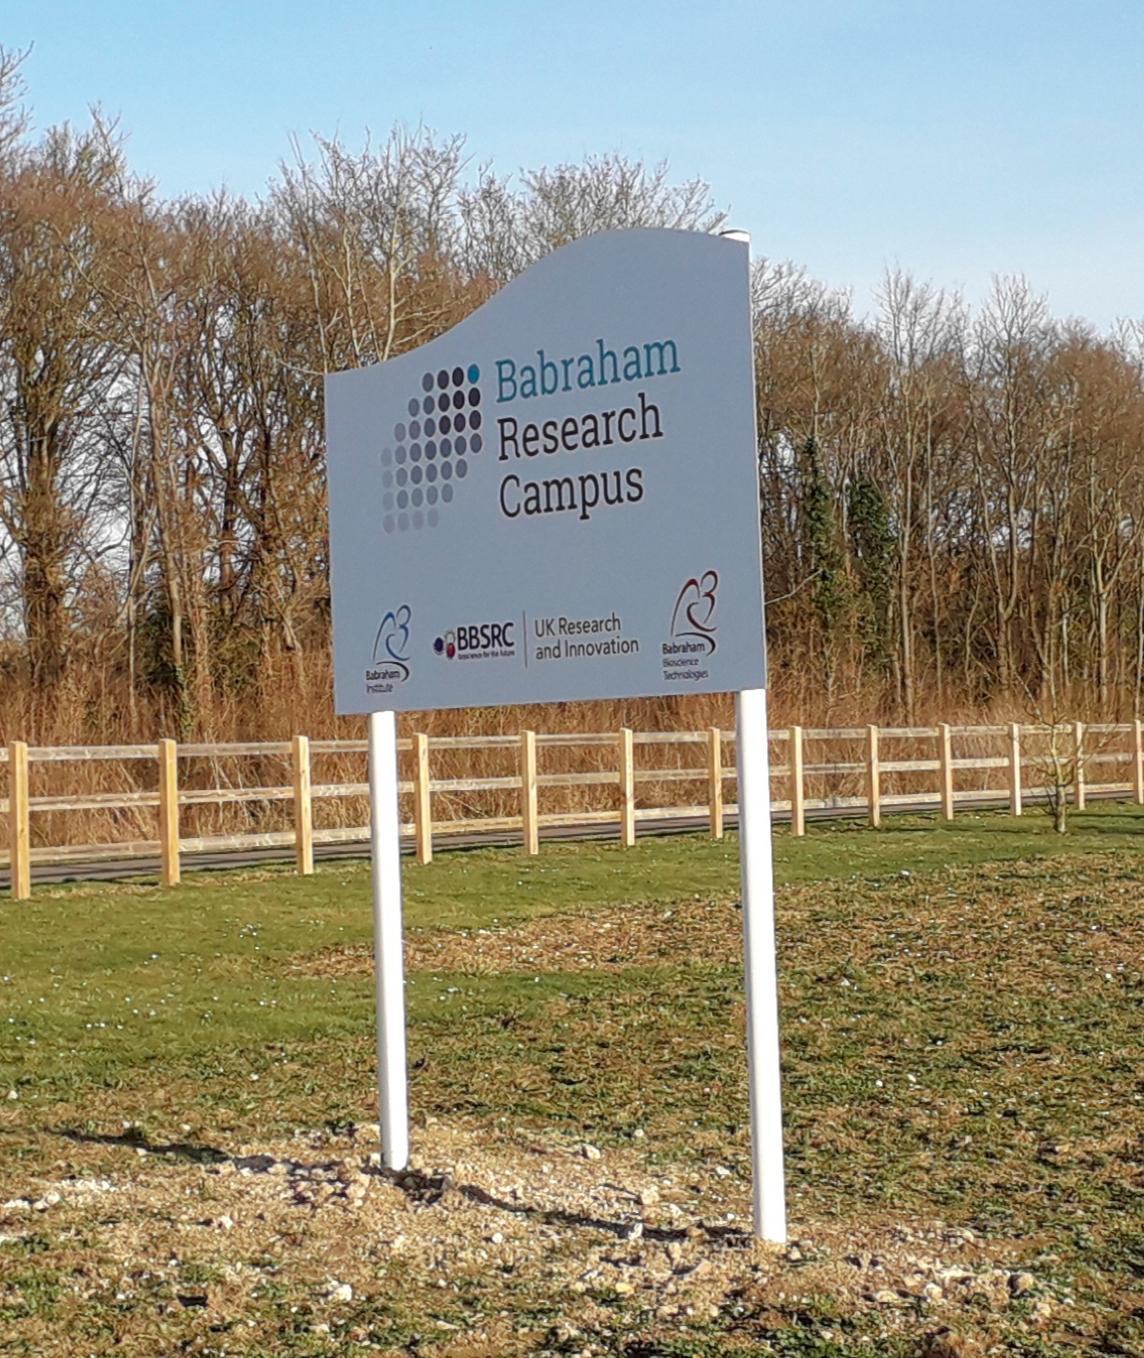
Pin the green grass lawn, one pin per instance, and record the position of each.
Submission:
(962, 1044)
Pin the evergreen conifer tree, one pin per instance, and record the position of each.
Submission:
(822, 558)
(872, 543)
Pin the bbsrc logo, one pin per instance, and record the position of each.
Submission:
(478, 641)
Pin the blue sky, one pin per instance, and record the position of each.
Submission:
(957, 138)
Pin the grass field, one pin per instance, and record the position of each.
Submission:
(185, 1147)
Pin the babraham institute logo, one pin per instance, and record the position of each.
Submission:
(430, 455)
(478, 641)
(693, 630)
(390, 651)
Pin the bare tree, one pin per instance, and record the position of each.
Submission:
(56, 368)
(377, 230)
(508, 229)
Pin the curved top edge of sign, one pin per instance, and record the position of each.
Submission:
(582, 244)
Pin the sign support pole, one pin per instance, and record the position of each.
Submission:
(388, 968)
(756, 859)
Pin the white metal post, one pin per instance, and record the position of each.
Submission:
(755, 855)
(389, 971)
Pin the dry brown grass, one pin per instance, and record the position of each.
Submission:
(91, 707)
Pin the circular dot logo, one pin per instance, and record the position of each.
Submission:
(446, 645)
(429, 447)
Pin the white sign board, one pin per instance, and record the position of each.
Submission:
(557, 499)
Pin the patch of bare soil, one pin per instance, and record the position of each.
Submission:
(486, 1245)
(606, 940)
(710, 932)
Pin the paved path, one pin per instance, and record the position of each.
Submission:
(112, 869)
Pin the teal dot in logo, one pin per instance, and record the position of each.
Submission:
(474, 373)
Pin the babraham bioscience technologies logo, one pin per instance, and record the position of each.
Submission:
(693, 629)
(693, 617)
(423, 468)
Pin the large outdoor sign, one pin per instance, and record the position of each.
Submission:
(558, 499)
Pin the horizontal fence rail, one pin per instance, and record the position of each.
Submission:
(198, 798)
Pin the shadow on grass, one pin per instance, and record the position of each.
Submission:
(423, 1190)
(135, 1140)
(427, 1190)
(192, 1153)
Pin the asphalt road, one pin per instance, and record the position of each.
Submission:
(113, 869)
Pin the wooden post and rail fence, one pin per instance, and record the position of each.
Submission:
(937, 778)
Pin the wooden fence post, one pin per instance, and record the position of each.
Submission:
(1014, 769)
(422, 798)
(528, 807)
(797, 791)
(303, 807)
(627, 790)
(715, 781)
(873, 777)
(1138, 764)
(1078, 758)
(169, 811)
(945, 760)
(19, 839)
